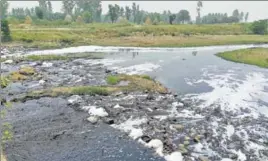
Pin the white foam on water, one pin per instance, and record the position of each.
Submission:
(232, 93)
(175, 156)
(137, 69)
(230, 130)
(81, 49)
(130, 126)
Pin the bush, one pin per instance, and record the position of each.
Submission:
(68, 18)
(28, 20)
(6, 32)
(259, 27)
(79, 20)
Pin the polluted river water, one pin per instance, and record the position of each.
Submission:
(225, 102)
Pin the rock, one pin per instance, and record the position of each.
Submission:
(108, 71)
(186, 138)
(202, 158)
(178, 127)
(150, 97)
(146, 138)
(93, 119)
(42, 81)
(184, 151)
(8, 61)
(47, 65)
(186, 143)
(233, 156)
(74, 99)
(108, 121)
(197, 138)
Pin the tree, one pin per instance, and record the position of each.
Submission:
(246, 17)
(67, 6)
(43, 7)
(259, 27)
(3, 8)
(6, 32)
(114, 12)
(241, 16)
(172, 18)
(198, 9)
(50, 10)
(28, 20)
(39, 12)
(183, 16)
(87, 17)
(92, 6)
(122, 12)
(236, 14)
(127, 12)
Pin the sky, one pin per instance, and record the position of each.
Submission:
(257, 9)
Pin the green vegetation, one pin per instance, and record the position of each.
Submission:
(5, 37)
(253, 56)
(260, 27)
(136, 83)
(4, 81)
(22, 74)
(132, 35)
(113, 80)
(51, 57)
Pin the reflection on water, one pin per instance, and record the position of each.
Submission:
(194, 53)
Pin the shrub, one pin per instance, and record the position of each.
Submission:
(113, 80)
(68, 18)
(79, 20)
(259, 27)
(6, 32)
(28, 20)
(148, 21)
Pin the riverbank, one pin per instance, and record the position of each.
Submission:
(252, 56)
(46, 37)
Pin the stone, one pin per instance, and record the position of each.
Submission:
(8, 61)
(93, 119)
(202, 158)
(108, 121)
(186, 143)
(178, 127)
(150, 97)
(74, 99)
(146, 138)
(47, 65)
(186, 138)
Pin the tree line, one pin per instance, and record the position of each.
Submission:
(88, 11)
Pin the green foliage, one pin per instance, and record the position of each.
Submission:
(113, 80)
(4, 81)
(114, 12)
(253, 56)
(3, 9)
(90, 91)
(183, 16)
(172, 18)
(87, 17)
(39, 12)
(6, 32)
(260, 27)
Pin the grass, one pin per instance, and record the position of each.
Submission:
(136, 83)
(4, 81)
(134, 35)
(22, 74)
(253, 56)
(51, 57)
(113, 80)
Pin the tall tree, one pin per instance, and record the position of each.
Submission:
(67, 6)
(246, 17)
(241, 16)
(114, 12)
(183, 16)
(127, 12)
(92, 6)
(39, 12)
(172, 17)
(122, 12)
(3, 8)
(198, 9)
(6, 32)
